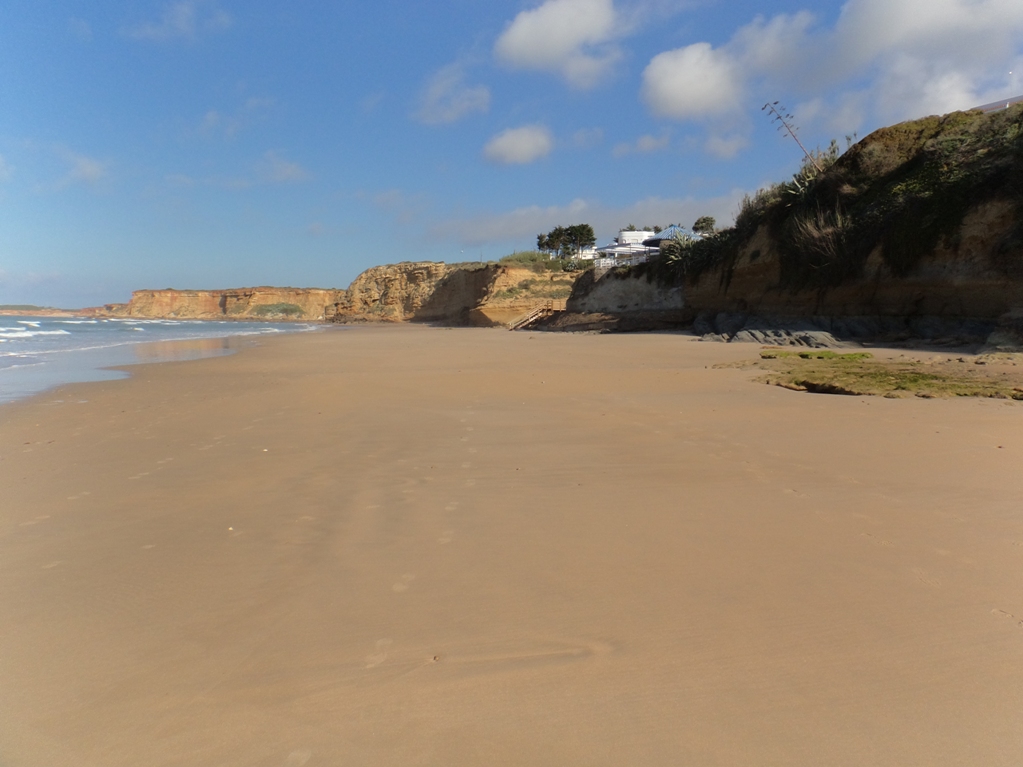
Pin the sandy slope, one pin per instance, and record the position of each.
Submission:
(414, 546)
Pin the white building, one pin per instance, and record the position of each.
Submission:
(628, 244)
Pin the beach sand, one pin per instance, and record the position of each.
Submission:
(419, 546)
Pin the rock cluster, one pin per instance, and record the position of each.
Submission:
(830, 332)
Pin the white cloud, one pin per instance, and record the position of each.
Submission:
(404, 208)
(643, 145)
(186, 19)
(522, 224)
(950, 29)
(572, 38)
(5, 169)
(518, 146)
(217, 123)
(270, 169)
(692, 82)
(213, 122)
(781, 45)
(276, 169)
(882, 61)
(83, 170)
(447, 99)
(930, 57)
(725, 146)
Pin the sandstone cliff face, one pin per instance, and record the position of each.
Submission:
(243, 303)
(961, 278)
(623, 294)
(489, 294)
(420, 291)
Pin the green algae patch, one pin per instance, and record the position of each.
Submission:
(998, 376)
(815, 354)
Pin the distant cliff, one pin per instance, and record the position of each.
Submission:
(262, 303)
(455, 294)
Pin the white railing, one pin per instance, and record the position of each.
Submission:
(998, 105)
(611, 263)
(543, 310)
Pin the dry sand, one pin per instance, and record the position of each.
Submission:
(415, 546)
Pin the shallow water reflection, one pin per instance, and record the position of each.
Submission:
(181, 351)
(37, 371)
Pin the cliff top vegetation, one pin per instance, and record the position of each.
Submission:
(903, 190)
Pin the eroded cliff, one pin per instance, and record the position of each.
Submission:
(418, 291)
(921, 219)
(461, 294)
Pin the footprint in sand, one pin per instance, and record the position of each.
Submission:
(446, 537)
(298, 758)
(924, 578)
(403, 584)
(1008, 615)
(380, 655)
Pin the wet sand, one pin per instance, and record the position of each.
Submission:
(415, 546)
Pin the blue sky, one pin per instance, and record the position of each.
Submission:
(220, 143)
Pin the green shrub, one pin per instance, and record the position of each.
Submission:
(278, 310)
(537, 261)
(903, 191)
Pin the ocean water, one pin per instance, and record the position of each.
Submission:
(38, 353)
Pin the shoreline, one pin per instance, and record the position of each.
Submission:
(456, 546)
(51, 368)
